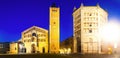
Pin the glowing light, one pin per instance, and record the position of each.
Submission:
(65, 51)
(69, 51)
(115, 45)
(61, 51)
(111, 32)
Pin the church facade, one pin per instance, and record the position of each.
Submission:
(34, 40)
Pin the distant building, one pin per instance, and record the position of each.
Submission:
(87, 21)
(13, 48)
(54, 29)
(4, 47)
(66, 46)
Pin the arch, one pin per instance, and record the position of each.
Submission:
(34, 34)
(78, 45)
(21, 47)
(33, 50)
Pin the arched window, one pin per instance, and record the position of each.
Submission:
(34, 34)
(90, 25)
(90, 31)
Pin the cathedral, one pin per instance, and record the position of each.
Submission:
(39, 40)
(34, 40)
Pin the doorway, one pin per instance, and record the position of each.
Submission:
(21, 47)
(43, 49)
(78, 45)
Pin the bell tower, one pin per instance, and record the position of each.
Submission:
(54, 28)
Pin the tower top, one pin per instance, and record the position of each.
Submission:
(98, 5)
(53, 5)
(81, 5)
(74, 8)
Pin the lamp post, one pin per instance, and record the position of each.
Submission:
(115, 47)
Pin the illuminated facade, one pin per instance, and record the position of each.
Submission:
(54, 29)
(87, 21)
(33, 40)
(13, 48)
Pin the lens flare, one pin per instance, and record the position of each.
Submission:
(110, 32)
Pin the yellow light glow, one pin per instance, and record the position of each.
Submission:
(115, 45)
(69, 51)
(111, 32)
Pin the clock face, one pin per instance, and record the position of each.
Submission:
(34, 34)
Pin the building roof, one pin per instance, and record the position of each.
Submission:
(53, 5)
(34, 27)
(83, 6)
(67, 42)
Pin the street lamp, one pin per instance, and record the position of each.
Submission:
(115, 47)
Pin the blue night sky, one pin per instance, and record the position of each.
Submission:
(18, 15)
